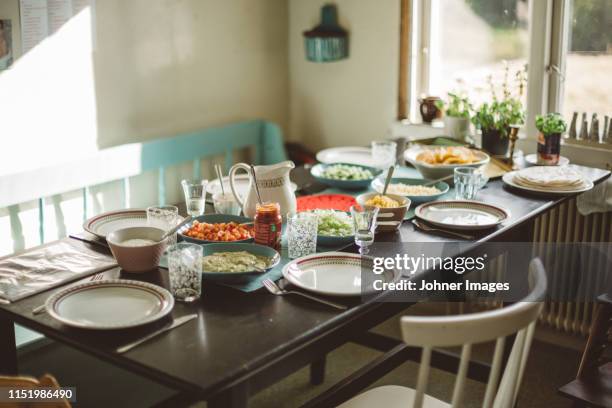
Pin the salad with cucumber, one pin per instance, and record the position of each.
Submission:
(334, 223)
(346, 172)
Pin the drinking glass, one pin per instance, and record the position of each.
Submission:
(164, 217)
(384, 153)
(364, 222)
(468, 181)
(195, 196)
(185, 271)
(225, 203)
(301, 234)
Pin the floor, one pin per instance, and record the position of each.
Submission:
(103, 385)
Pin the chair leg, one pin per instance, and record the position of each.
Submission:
(317, 371)
(598, 337)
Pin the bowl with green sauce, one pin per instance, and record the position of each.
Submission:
(237, 262)
(344, 175)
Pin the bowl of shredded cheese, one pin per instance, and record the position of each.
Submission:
(412, 188)
(392, 209)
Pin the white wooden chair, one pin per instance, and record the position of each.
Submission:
(465, 330)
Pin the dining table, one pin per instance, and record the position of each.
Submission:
(241, 343)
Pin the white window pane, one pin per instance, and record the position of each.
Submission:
(588, 75)
(471, 39)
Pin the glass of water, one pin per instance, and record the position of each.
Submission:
(301, 234)
(195, 196)
(225, 203)
(384, 153)
(364, 221)
(185, 271)
(468, 180)
(164, 217)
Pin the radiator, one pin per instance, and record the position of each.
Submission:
(565, 224)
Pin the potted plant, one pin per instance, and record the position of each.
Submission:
(456, 115)
(551, 127)
(496, 118)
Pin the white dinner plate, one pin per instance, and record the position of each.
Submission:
(508, 178)
(241, 183)
(462, 215)
(349, 154)
(103, 224)
(532, 159)
(328, 273)
(110, 304)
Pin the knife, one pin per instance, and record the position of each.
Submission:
(175, 323)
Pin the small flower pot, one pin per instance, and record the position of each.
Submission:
(549, 149)
(494, 142)
(456, 128)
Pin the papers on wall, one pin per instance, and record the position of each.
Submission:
(41, 18)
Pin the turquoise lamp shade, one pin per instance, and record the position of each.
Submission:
(327, 42)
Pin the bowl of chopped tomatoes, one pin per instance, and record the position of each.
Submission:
(209, 228)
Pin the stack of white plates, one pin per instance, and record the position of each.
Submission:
(546, 179)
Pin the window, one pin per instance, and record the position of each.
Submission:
(472, 40)
(566, 43)
(588, 64)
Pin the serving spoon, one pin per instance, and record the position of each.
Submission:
(186, 220)
(388, 179)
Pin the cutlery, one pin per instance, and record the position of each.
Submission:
(255, 184)
(95, 241)
(42, 308)
(427, 228)
(186, 220)
(430, 183)
(220, 176)
(388, 179)
(175, 323)
(276, 290)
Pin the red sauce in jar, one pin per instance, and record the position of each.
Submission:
(268, 225)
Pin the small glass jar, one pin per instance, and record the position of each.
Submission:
(268, 225)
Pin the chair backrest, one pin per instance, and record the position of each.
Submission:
(25, 189)
(466, 330)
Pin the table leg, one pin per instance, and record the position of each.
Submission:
(234, 397)
(8, 347)
(317, 372)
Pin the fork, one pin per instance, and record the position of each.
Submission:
(424, 227)
(42, 308)
(276, 290)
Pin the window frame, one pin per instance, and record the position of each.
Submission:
(548, 39)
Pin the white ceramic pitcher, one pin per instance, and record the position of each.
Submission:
(274, 186)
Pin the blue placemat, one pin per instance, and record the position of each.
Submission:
(275, 273)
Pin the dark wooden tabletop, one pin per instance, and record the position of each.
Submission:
(239, 336)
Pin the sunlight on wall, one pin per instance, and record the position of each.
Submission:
(48, 104)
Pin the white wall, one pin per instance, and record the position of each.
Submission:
(352, 101)
(164, 67)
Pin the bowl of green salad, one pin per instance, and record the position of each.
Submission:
(345, 176)
(335, 227)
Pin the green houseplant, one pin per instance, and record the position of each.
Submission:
(550, 126)
(456, 115)
(496, 118)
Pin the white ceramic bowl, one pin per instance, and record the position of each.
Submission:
(137, 258)
(438, 171)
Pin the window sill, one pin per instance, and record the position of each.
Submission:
(583, 154)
